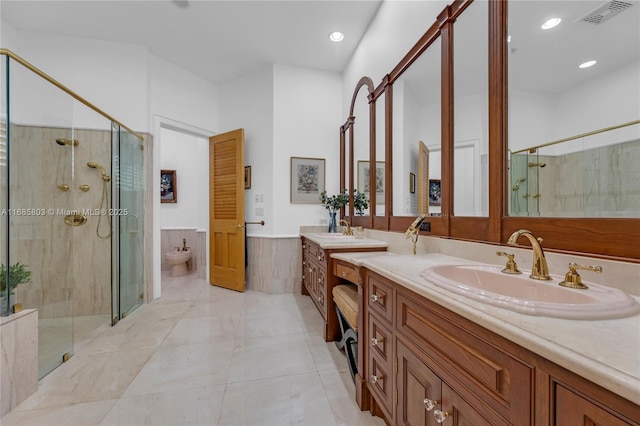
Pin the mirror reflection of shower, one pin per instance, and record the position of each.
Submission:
(541, 165)
(104, 201)
(516, 189)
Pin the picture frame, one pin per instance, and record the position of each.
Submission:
(168, 186)
(412, 183)
(363, 179)
(247, 177)
(435, 192)
(307, 180)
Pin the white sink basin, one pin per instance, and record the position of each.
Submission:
(520, 293)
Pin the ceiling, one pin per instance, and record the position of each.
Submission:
(216, 40)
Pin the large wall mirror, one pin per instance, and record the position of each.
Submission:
(574, 128)
(417, 118)
(471, 110)
(361, 144)
(529, 139)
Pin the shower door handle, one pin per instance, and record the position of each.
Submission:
(134, 229)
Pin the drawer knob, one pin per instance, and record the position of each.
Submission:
(319, 257)
(374, 379)
(440, 416)
(430, 404)
(376, 342)
(344, 273)
(375, 298)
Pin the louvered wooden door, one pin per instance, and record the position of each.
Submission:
(226, 210)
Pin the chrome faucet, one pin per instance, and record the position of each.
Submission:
(348, 230)
(184, 245)
(539, 270)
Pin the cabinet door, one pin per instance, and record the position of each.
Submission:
(457, 412)
(573, 410)
(417, 386)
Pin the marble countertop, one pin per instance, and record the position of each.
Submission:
(339, 241)
(606, 352)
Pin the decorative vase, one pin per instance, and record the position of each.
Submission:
(333, 226)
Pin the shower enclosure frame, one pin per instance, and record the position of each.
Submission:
(137, 190)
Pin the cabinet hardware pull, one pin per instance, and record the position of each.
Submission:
(344, 274)
(440, 416)
(430, 404)
(376, 342)
(375, 298)
(374, 379)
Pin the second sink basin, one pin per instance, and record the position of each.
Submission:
(520, 293)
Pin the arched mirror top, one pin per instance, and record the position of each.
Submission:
(364, 81)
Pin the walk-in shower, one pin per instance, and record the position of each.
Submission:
(72, 191)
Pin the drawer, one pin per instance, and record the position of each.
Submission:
(482, 366)
(347, 272)
(379, 297)
(380, 383)
(380, 338)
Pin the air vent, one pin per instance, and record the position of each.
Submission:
(605, 12)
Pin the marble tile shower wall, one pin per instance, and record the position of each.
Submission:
(599, 182)
(172, 238)
(71, 266)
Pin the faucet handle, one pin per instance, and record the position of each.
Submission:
(511, 266)
(572, 278)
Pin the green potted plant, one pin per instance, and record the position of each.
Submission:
(360, 202)
(18, 274)
(333, 203)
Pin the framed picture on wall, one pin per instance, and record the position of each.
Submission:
(363, 179)
(168, 186)
(307, 180)
(247, 177)
(435, 192)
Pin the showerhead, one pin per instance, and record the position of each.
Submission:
(537, 165)
(516, 187)
(63, 142)
(105, 176)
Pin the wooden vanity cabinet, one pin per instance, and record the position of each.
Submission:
(318, 281)
(415, 350)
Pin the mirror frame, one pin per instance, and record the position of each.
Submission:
(612, 238)
(348, 126)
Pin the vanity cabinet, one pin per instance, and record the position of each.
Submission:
(318, 280)
(416, 351)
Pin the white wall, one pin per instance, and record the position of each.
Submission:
(247, 102)
(189, 156)
(395, 29)
(306, 123)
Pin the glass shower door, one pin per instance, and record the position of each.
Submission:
(128, 213)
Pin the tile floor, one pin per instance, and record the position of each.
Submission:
(202, 355)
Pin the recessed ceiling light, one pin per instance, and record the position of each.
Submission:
(336, 36)
(587, 64)
(551, 23)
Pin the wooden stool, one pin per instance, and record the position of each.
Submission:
(345, 298)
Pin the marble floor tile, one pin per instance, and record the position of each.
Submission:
(199, 406)
(341, 393)
(88, 377)
(83, 414)
(188, 331)
(290, 400)
(326, 355)
(184, 367)
(264, 357)
(131, 335)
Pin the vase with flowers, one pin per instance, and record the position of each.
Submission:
(360, 202)
(333, 203)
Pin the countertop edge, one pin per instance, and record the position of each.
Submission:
(606, 375)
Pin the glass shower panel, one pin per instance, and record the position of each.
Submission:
(4, 180)
(41, 154)
(129, 214)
